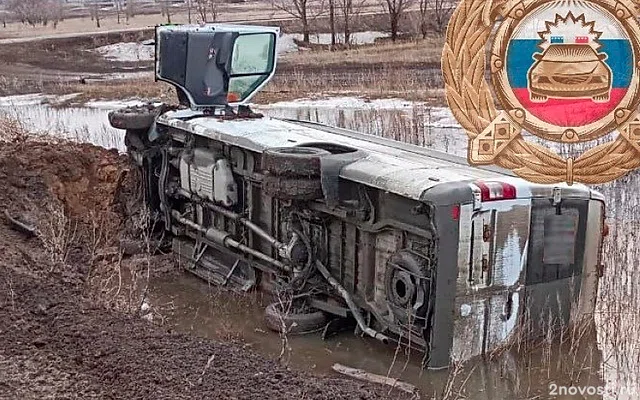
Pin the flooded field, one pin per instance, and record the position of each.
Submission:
(411, 122)
(607, 360)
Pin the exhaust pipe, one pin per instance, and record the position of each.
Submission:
(224, 238)
(352, 306)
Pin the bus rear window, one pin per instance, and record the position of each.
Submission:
(557, 240)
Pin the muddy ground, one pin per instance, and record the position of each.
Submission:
(64, 331)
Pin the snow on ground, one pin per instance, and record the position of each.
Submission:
(144, 51)
(127, 52)
(343, 102)
(112, 104)
(24, 100)
(286, 44)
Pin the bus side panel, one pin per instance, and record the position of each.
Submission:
(491, 264)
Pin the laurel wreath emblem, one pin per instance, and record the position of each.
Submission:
(469, 96)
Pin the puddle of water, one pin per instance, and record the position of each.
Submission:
(193, 306)
(401, 120)
(88, 124)
(405, 121)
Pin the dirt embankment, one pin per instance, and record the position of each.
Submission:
(64, 332)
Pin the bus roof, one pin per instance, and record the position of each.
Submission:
(400, 168)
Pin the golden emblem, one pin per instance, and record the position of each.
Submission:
(565, 71)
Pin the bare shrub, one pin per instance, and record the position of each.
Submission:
(435, 14)
(112, 280)
(285, 307)
(349, 10)
(13, 131)
(166, 9)
(305, 11)
(34, 12)
(95, 11)
(58, 234)
(395, 10)
(207, 10)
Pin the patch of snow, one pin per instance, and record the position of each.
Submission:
(145, 306)
(35, 99)
(287, 45)
(145, 51)
(343, 103)
(112, 104)
(127, 75)
(24, 100)
(62, 99)
(127, 52)
(442, 117)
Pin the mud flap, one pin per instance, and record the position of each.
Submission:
(330, 167)
(213, 265)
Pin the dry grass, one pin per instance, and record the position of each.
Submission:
(13, 131)
(409, 70)
(58, 234)
(423, 51)
(384, 83)
(142, 88)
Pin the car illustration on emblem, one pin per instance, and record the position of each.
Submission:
(570, 71)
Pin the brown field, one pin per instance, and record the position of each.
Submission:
(251, 10)
(407, 69)
(55, 61)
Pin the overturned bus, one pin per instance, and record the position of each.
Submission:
(415, 245)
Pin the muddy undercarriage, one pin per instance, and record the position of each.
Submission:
(278, 222)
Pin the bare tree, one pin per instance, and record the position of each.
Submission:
(332, 22)
(189, 6)
(395, 9)
(424, 18)
(302, 10)
(441, 10)
(207, 10)
(165, 8)
(95, 11)
(349, 10)
(34, 12)
(118, 6)
(56, 11)
(213, 6)
(130, 11)
(201, 8)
